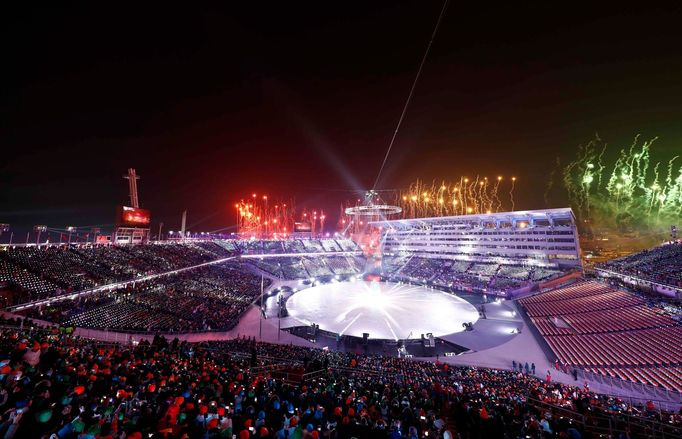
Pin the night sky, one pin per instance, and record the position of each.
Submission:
(300, 100)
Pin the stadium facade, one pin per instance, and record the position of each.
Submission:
(546, 238)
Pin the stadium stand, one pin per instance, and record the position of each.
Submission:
(35, 273)
(73, 387)
(494, 253)
(467, 275)
(316, 267)
(306, 267)
(24, 280)
(256, 247)
(538, 237)
(662, 264)
(611, 332)
(596, 327)
(206, 299)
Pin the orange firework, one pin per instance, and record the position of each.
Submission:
(474, 195)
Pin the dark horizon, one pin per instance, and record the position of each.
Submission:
(212, 104)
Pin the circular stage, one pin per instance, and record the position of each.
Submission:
(384, 310)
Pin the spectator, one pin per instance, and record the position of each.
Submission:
(174, 390)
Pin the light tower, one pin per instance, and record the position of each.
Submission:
(132, 222)
(132, 178)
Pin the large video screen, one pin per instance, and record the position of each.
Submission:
(132, 217)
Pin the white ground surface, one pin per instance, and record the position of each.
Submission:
(384, 310)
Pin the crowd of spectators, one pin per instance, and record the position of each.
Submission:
(307, 267)
(325, 245)
(25, 284)
(662, 264)
(33, 273)
(208, 298)
(55, 384)
(36, 273)
(465, 275)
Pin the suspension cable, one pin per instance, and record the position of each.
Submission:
(409, 97)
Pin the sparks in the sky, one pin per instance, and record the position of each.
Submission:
(626, 194)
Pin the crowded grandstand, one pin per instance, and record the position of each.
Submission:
(504, 253)
(71, 387)
(382, 220)
(657, 269)
(66, 371)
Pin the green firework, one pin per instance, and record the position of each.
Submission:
(628, 194)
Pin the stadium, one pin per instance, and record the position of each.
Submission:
(314, 254)
(500, 297)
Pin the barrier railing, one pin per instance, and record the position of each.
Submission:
(631, 278)
(669, 399)
(611, 423)
(259, 370)
(664, 398)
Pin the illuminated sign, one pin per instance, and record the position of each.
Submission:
(132, 217)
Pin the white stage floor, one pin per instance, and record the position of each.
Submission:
(384, 310)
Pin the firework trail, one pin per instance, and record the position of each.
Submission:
(466, 196)
(629, 194)
(498, 203)
(511, 193)
(550, 182)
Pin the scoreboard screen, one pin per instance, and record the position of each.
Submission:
(132, 217)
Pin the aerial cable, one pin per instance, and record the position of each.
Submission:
(409, 97)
